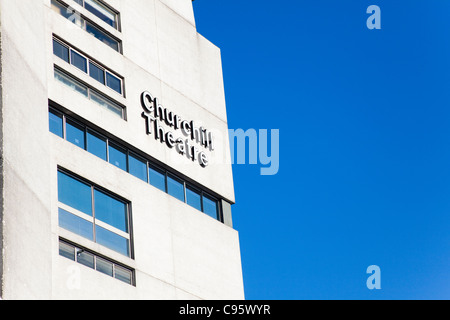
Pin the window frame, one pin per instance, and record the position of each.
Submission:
(92, 219)
(90, 61)
(77, 249)
(82, 22)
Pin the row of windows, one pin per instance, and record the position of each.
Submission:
(102, 11)
(70, 14)
(87, 65)
(90, 93)
(123, 158)
(95, 262)
(93, 213)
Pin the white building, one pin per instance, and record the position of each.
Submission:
(116, 179)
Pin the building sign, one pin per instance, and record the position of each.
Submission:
(196, 138)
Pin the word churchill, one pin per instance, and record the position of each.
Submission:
(156, 115)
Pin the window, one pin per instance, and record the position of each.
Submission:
(60, 50)
(137, 167)
(88, 26)
(78, 61)
(96, 145)
(56, 123)
(117, 157)
(210, 207)
(129, 161)
(101, 11)
(193, 198)
(175, 188)
(96, 73)
(89, 93)
(87, 65)
(93, 214)
(75, 134)
(157, 178)
(93, 261)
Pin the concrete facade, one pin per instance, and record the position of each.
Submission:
(179, 252)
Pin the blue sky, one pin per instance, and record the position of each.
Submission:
(364, 120)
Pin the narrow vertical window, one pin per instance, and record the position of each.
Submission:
(56, 123)
(118, 157)
(175, 188)
(96, 145)
(157, 178)
(78, 61)
(137, 167)
(60, 50)
(210, 207)
(193, 198)
(75, 134)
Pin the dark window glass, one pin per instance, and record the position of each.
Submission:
(123, 274)
(117, 157)
(157, 178)
(97, 73)
(104, 266)
(56, 123)
(175, 188)
(60, 50)
(100, 35)
(111, 211)
(76, 224)
(210, 207)
(112, 241)
(113, 82)
(96, 145)
(78, 61)
(85, 258)
(193, 198)
(75, 134)
(74, 193)
(137, 167)
(67, 251)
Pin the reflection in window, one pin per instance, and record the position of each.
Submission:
(78, 61)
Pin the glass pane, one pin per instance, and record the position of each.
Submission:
(193, 198)
(118, 157)
(96, 145)
(97, 73)
(157, 178)
(106, 103)
(67, 13)
(104, 266)
(74, 193)
(78, 61)
(76, 224)
(85, 258)
(55, 123)
(112, 241)
(100, 35)
(210, 207)
(60, 50)
(137, 167)
(75, 134)
(123, 274)
(101, 11)
(175, 188)
(113, 82)
(70, 82)
(67, 251)
(111, 211)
